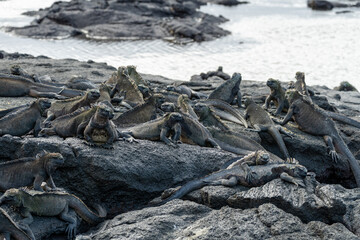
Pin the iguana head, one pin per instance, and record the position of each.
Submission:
(300, 76)
(220, 69)
(92, 95)
(201, 109)
(168, 107)
(13, 196)
(159, 99)
(294, 170)
(50, 160)
(273, 83)
(144, 90)
(170, 88)
(248, 101)
(236, 77)
(175, 117)
(105, 111)
(291, 95)
(43, 104)
(262, 157)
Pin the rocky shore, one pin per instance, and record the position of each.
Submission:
(126, 178)
(177, 21)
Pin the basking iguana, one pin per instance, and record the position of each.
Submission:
(134, 75)
(219, 73)
(261, 121)
(193, 132)
(314, 120)
(63, 107)
(141, 113)
(70, 125)
(105, 91)
(124, 83)
(17, 86)
(182, 89)
(277, 95)
(225, 111)
(25, 172)
(229, 90)
(101, 131)
(246, 172)
(158, 129)
(184, 106)
(17, 70)
(208, 117)
(239, 144)
(51, 204)
(8, 228)
(9, 110)
(22, 121)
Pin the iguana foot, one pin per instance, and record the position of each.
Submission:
(172, 145)
(107, 146)
(287, 178)
(129, 139)
(334, 156)
(250, 176)
(168, 192)
(89, 143)
(292, 161)
(71, 231)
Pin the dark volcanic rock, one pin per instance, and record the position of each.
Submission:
(185, 220)
(121, 20)
(329, 5)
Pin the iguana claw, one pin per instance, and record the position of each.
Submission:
(292, 161)
(250, 176)
(89, 143)
(287, 178)
(334, 155)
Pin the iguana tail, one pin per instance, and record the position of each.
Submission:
(85, 213)
(343, 119)
(342, 148)
(229, 148)
(224, 106)
(187, 188)
(278, 139)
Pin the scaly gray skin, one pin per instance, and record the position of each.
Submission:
(9, 228)
(22, 121)
(239, 144)
(63, 107)
(182, 89)
(142, 113)
(229, 90)
(193, 132)
(185, 107)
(9, 110)
(225, 111)
(219, 72)
(17, 70)
(51, 204)
(237, 175)
(208, 117)
(80, 83)
(105, 91)
(101, 131)
(136, 76)
(17, 86)
(124, 83)
(70, 125)
(30, 171)
(311, 119)
(158, 129)
(277, 95)
(261, 121)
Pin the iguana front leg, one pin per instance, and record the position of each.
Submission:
(280, 107)
(24, 223)
(71, 228)
(163, 136)
(37, 127)
(111, 138)
(80, 130)
(267, 102)
(249, 174)
(332, 151)
(288, 116)
(87, 135)
(177, 133)
(37, 183)
(287, 178)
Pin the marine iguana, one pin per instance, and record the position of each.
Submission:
(225, 111)
(70, 125)
(184, 106)
(9, 110)
(313, 120)
(22, 121)
(208, 117)
(101, 131)
(277, 95)
(51, 204)
(17, 86)
(243, 145)
(193, 132)
(134, 75)
(105, 91)
(237, 174)
(141, 113)
(24, 172)
(9, 228)
(158, 129)
(63, 107)
(182, 89)
(219, 72)
(123, 82)
(229, 90)
(261, 121)
(17, 70)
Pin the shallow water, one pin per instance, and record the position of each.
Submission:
(269, 39)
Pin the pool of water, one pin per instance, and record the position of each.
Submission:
(269, 39)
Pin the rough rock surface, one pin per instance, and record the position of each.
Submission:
(124, 20)
(126, 178)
